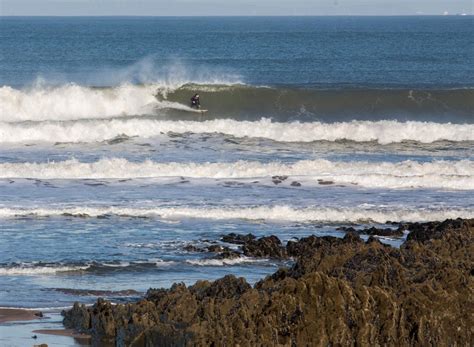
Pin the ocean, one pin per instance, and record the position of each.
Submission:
(314, 123)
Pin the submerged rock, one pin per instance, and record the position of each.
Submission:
(339, 292)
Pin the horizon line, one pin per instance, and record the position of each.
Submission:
(249, 15)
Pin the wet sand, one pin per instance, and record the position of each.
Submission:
(80, 338)
(16, 314)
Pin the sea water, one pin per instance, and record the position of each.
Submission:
(106, 174)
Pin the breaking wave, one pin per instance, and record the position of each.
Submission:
(406, 174)
(224, 262)
(69, 102)
(40, 268)
(383, 132)
(237, 101)
(283, 104)
(276, 213)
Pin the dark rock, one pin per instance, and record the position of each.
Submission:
(228, 253)
(423, 232)
(295, 184)
(77, 318)
(351, 229)
(373, 231)
(215, 249)
(306, 246)
(339, 292)
(376, 231)
(238, 239)
(280, 178)
(264, 247)
(325, 183)
(192, 248)
(227, 287)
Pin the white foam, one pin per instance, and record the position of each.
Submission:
(278, 213)
(39, 270)
(71, 101)
(383, 132)
(406, 174)
(223, 262)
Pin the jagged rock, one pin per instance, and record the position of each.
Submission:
(373, 231)
(435, 230)
(238, 239)
(192, 248)
(228, 253)
(339, 292)
(265, 247)
(77, 318)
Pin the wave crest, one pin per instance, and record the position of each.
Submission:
(69, 102)
(383, 132)
(233, 100)
(276, 213)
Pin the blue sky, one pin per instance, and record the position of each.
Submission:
(229, 7)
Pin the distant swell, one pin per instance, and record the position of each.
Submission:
(383, 132)
(258, 213)
(406, 174)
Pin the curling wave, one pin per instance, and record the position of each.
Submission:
(281, 213)
(383, 132)
(406, 174)
(283, 104)
(236, 101)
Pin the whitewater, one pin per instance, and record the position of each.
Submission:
(258, 213)
(383, 132)
(406, 174)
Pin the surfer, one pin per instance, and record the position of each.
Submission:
(195, 103)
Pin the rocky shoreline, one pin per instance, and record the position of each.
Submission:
(339, 291)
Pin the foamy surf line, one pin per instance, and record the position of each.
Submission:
(383, 132)
(458, 175)
(279, 213)
(37, 268)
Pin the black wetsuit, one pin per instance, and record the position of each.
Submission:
(195, 102)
